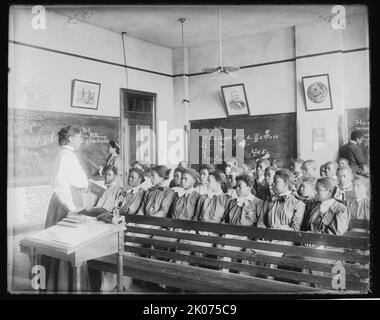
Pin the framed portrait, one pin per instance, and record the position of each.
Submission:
(317, 92)
(85, 94)
(235, 99)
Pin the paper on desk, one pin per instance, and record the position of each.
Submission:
(71, 236)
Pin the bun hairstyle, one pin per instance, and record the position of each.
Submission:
(65, 133)
(162, 171)
(115, 145)
(220, 177)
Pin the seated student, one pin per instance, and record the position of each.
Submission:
(345, 192)
(185, 198)
(113, 190)
(283, 211)
(158, 199)
(296, 169)
(259, 184)
(343, 163)
(134, 194)
(243, 210)
(330, 169)
(306, 192)
(268, 192)
(128, 201)
(204, 171)
(177, 175)
(326, 215)
(309, 169)
(278, 163)
(322, 170)
(143, 166)
(232, 171)
(212, 206)
(359, 207)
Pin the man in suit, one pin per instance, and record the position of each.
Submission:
(235, 102)
(352, 152)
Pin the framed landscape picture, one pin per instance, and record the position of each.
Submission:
(235, 99)
(317, 92)
(85, 94)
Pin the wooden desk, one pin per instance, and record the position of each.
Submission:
(94, 240)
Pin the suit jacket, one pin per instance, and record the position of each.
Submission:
(353, 154)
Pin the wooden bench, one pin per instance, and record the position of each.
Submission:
(252, 266)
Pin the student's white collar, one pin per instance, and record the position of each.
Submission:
(353, 141)
(68, 147)
(211, 194)
(134, 189)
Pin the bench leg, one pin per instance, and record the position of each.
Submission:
(76, 278)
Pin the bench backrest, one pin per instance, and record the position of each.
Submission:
(253, 250)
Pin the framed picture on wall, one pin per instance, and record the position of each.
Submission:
(85, 94)
(317, 92)
(235, 99)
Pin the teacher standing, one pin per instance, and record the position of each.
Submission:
(69, 181)
(352, 152)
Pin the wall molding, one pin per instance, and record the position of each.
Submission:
(183, 74)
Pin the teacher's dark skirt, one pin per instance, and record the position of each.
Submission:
(59, 273)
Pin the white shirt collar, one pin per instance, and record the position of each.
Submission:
(134, 189)
(353, 141)
(68, 147)
(285, 193)
(211, 194)
(325, 205)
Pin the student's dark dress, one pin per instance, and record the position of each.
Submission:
(345, 195)
(156, 203)
(260, 189)
(334, 221)
(183, 207)
(132, 200)
(211, 208)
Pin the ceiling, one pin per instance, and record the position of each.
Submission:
(160, 25)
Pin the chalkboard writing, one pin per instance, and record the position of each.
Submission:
(271, 136)
(33, 142)
(358, 119)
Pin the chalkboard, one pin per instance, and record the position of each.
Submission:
(33, 136)
(358, 119)
(272, 135)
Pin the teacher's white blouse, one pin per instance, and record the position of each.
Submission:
(67, 172)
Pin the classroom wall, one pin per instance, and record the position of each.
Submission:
(275, 63)
(41, 80)
(278, 60)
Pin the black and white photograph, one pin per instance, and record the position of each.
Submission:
(170, 150)
(85, 94)
(235, 99)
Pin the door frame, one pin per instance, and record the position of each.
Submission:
(122, 136)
